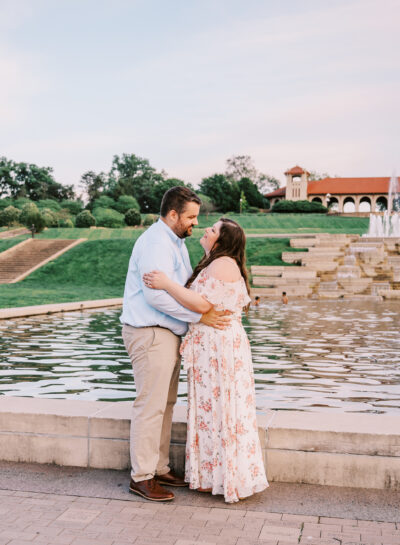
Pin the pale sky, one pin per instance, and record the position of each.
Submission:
(189, 83)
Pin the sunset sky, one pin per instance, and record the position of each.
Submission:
(189, 83)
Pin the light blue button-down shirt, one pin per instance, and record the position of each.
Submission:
(158, 248)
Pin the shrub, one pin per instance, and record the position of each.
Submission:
(50, 217)
(252, 210)
(108, 217)
(85, 219)
(302, 207)
(4, 203)
(103, 202)
(73, 207)
(149, 219)
(125, 203)
(133, 217)
(20, 203)
(36, 219)
(9, 215)
(48, 204)
(67, 223)
(27, 210)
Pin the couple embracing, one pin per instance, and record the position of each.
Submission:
(163, 300)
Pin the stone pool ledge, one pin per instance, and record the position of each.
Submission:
(341, 449)
(21, 312)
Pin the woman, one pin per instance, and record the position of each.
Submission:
(223, 452)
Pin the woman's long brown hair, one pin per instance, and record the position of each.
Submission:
(230, 243)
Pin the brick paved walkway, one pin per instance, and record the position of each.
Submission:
(29, 518)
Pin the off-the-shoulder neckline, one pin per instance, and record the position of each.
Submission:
(223, 281)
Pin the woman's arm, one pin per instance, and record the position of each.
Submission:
(187, 298)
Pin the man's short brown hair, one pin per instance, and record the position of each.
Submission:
(176, 199)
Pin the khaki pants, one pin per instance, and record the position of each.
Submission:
(154, 353)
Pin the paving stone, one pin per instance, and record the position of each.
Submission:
(75, 515)
(299, 518)
(269, 531)
(190, 542)
(263, 515)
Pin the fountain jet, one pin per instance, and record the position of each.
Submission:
(387, 225)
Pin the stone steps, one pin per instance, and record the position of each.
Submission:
(20, 260)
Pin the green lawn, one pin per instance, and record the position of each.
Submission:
(252, 223)
(10, 242)
(96, 269)
(293, 223)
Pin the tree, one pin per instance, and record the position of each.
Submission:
(93, 185)
(224, 193)
(133, 175)
(207, 206)
(30, 181)
(252, 194)
(243, 202)
(242, 166)
(27, 211)
(8, 184)
(9, 215)
(30, 215)
(314, 175)
(160, 187)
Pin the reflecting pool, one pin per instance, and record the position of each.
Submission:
(308, 355)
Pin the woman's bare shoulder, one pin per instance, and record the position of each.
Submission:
(224, 268)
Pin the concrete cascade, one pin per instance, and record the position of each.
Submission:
(333, 267)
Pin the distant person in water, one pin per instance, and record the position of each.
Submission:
(256, 301)
(285, 299)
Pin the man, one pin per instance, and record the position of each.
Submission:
(153, 323)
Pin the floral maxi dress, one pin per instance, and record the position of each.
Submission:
(223, 450)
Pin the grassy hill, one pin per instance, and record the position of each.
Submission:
(10, 242)
(252, 223)
(96, 269)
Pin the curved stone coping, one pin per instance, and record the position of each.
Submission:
(342, 449)
(20, 312)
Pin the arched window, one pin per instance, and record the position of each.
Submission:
(365, 204)
(381, 204)
(349, 205)
(333, 204)
(317, 199)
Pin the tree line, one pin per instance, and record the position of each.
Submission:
(239, 188)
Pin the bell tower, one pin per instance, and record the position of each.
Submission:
(296, 184)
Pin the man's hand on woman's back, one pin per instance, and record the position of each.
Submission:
(219, 319)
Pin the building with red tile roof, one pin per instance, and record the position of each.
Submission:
(335, 193)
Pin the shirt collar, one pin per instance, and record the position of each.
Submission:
(179, 241)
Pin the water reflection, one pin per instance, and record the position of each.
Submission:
(308, 355)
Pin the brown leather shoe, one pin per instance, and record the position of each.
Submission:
(150, 490)
(170, 479)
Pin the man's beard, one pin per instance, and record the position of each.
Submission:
(184, 233)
